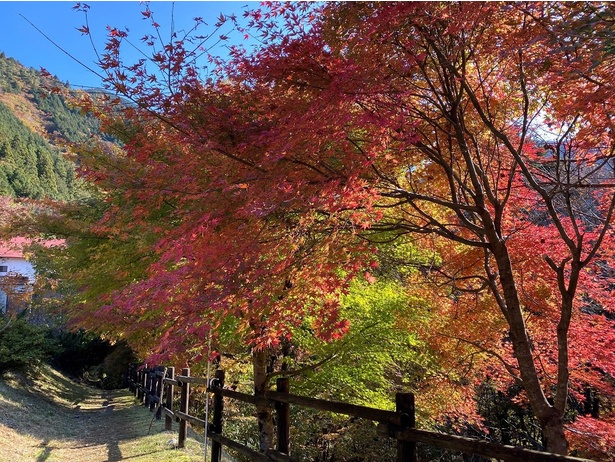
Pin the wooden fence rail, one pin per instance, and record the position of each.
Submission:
(155, 388)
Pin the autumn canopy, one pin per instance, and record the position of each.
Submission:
(479, 133)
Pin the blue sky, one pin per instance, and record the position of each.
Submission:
(58, 20)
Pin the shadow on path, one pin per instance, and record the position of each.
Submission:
(43, 456)
(54, 419)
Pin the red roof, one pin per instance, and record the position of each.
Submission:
(14, 247)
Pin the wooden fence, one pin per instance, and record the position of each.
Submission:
(155, 387)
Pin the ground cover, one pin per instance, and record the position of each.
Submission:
(46, 417)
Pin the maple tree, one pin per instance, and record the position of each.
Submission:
(489, 127)
(485, 129)
(186, 247)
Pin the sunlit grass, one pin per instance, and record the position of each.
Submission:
(48, 417)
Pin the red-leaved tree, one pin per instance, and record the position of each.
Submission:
(487, 127)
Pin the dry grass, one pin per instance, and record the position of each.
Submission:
(50, 418)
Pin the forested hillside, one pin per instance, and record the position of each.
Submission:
(35, 126)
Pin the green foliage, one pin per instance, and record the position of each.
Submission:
(507, 420)
(23, 344)
(115, 365)
(91, 265)
(79, 351)
(376, 358)
(329, 438)
(399, 258)
(316, 436)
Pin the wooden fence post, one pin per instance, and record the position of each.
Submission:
(141, 383)
(406, 450)
(148, 386)
(145, 385)
(153, 386)
(130, 387)
(216, 426)
(168, 421)
(137, 372)
(160, 373)
(183, 407)
(134, 377)
(137, 382)
(283, 417)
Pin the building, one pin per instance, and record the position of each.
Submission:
(16, 272)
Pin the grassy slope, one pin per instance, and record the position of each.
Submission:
(76, 423)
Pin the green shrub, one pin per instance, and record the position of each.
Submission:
(23, 344)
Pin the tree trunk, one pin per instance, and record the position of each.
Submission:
(550, 416)
(553, 431)
(264, 414)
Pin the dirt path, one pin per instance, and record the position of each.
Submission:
(56, 420)
(97, 427)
